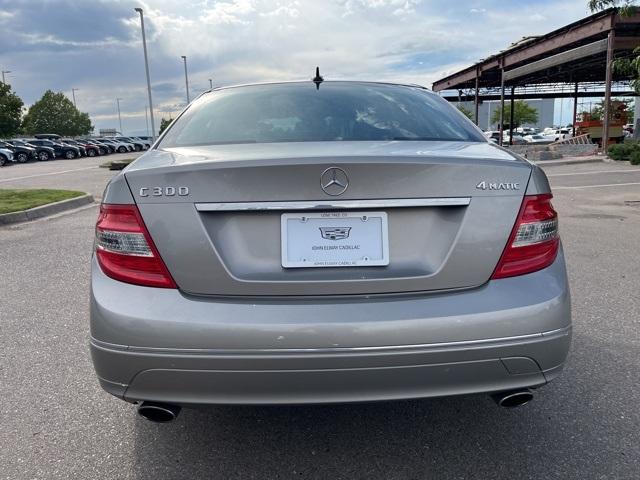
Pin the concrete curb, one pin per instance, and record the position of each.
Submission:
(570, 161)
(45, 210)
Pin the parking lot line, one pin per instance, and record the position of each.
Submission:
(46, 174)
(579, 187)
(593, 172)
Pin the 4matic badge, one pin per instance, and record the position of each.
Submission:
(497, 186)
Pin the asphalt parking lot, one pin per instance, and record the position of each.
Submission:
(56, 422)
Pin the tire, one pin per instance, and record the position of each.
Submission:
(138, 148)
(69, 154)
(122, 149)
(91, 153)
(102, 151)
(43, 156)
(22, 157)
(2, 160)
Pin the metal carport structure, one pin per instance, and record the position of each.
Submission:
(579, 53)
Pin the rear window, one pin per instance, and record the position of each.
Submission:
(337, 111)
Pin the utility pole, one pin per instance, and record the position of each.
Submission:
(119, 117)
(186, 77)
(146, 67)
(211, 84)
(73, 94)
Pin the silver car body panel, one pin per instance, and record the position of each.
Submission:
(240, 328)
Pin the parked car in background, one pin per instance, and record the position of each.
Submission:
(44, 153)
(104, 147)
(61, 149)
(556, 134)
(47, 136)
(21, 153)
(513, 139)
(120, 147)
(6, 156)
(85, 148)
(537, 138)
(138, 145)
(147, 143)
(72, 143)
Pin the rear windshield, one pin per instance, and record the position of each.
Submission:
(337, 111)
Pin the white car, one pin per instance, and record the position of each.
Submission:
(555, 134)
(5, 156)
(537, 138)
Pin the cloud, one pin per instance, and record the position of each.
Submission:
(96, 45)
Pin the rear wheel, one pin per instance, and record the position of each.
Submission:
(22, 157)
(70, 154)
(2, 160)
(91, 153)
(138, 148)
(122, 149)
(43, 156)
(102, 151)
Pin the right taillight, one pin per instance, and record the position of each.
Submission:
(534, 241)
(124, 248)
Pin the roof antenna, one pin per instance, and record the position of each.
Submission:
(317, 79)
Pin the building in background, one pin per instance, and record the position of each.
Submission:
(545, 108)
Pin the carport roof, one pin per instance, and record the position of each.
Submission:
(574, 53)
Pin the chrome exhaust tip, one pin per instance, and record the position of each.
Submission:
(513, 398)
(158, 412)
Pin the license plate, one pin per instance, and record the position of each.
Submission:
(335, 239)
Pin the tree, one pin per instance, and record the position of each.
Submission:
(10, 111)
(598, 110)
(627, 7)
(468, 113)
(164, 123)
(54, 113)
(522, 113)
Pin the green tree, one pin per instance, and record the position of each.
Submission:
(54, 113)
(468, 113)
(627, 7)
(10, 111)
(598, 110)
(522, 113)
(164, 123)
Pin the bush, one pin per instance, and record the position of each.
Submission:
(623, 151)
(634, 158)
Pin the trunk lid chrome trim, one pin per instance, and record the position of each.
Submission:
(334, 205)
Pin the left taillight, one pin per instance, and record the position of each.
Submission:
(125, 250)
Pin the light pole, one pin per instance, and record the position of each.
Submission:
(211, 84)
(119, 118)
(3, 72)
(146, 67)
(186, 77)
(146, 118)
(73, 94)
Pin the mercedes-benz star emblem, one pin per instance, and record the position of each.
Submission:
(334, 181)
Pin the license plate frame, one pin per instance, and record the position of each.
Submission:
(343, 239)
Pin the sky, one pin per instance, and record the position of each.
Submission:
(95, 46)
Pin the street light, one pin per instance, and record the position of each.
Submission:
(211, 84)
(73, 94)
(3, 72)
(119, 118)
(146, 118)
(186, 77)
(146, 67)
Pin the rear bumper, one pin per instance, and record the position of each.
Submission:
(157, 344)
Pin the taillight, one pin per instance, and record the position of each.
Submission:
(124, 248)
(534, 241)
